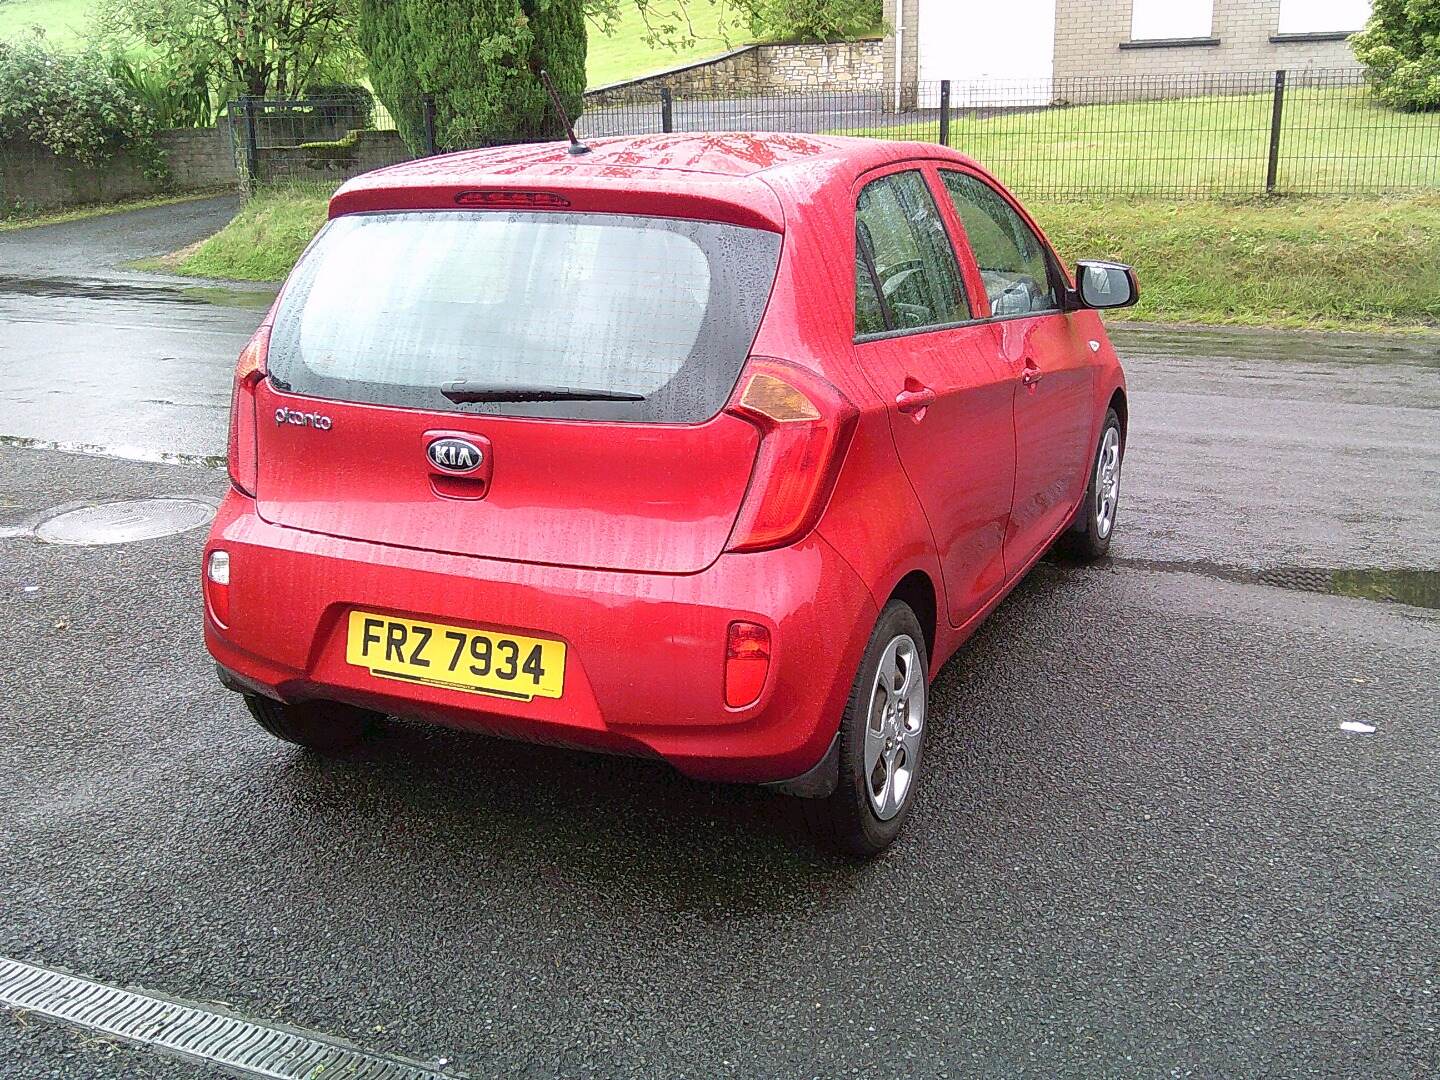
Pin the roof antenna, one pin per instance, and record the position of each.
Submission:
(576, 146)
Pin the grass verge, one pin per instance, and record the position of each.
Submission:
(1336, 263)
(262, 241)
(1345, 263)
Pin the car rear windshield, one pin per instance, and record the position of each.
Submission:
(394, 308)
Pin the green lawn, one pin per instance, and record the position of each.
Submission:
(625, 54)
(1332, 141)
(1351, 263)
(65, 22)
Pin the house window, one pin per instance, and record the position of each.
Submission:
(1323, 16)
(1166, 20)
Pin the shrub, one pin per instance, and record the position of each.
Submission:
(174, 102)
(480, 60)
(1400, 48)
(811, 20)
(74, 105)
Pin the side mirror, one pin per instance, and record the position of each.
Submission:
(1101, 285)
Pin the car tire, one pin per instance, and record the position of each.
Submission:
(882, 739)
(327, 727)
(1089, 535)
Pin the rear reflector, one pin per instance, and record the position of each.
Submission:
(747, 663)
(217, 586)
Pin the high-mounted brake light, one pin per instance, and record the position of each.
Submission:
(535, 200)
(747, 663)
(805, 428)
(243, 456)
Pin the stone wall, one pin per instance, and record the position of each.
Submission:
(33, 178)
(758, 69)
(1089, 35)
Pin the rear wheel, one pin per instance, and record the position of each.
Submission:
(326, 727)
(1094, 525)
(882, 740)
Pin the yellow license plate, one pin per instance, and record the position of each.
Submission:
(507, 665)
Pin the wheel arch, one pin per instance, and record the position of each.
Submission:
(1121, 405)
(917, 591)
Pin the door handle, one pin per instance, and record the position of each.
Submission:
(1032, 373)
(914, 401)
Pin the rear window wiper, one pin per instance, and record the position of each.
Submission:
(463, 392)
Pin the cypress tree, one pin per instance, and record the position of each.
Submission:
(480, 60)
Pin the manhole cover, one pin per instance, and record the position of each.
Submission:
(124, 522)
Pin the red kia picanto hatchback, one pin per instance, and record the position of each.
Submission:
(711, 448)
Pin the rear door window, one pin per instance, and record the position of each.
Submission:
(653, 316)
(899, 230)
(1013, 262)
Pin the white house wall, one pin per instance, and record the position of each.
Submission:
(1010, 42)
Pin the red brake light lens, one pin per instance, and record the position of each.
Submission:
(243, 456)
(534, 200)
(747, 663)
(805, 428)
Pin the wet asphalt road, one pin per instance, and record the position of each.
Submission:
(95, 355)
(1144, 845)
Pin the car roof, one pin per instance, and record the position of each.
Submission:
(740, 168)
(721, 153)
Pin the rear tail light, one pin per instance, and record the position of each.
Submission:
(747, 663)
(217, 586)
(244, 460)
(805, 428)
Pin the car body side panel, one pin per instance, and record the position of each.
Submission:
(873, 516)
(1053, 420)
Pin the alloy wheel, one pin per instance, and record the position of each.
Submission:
(894, 727)
(1107, 482)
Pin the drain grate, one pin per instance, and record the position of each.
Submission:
(196, 1032)
(1300, 578)
(124, 522)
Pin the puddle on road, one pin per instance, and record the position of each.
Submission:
(221, 296)
(82, 289)
(124, 453)
(1416, 588)
(1337, 347)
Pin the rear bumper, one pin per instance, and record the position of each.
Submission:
(645, 667)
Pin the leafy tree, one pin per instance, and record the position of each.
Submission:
(74, 105)
(668, 22)
(260, 47)
(480, 61)
(810, 20)
(1400, 48)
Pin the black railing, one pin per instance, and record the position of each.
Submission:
(1302, 131)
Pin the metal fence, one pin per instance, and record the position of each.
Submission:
(318, 140)
(1305, 132)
